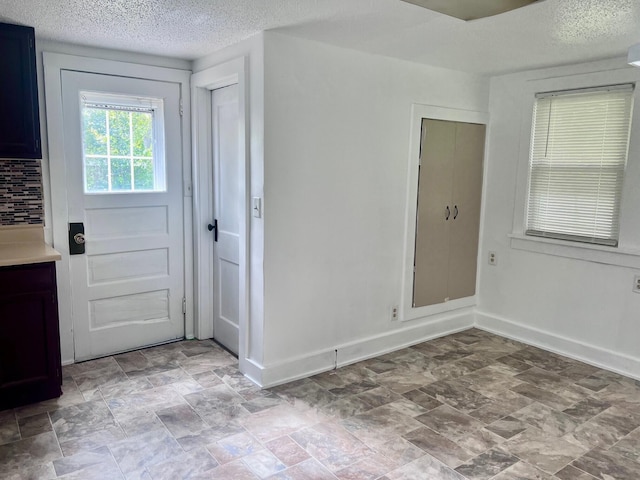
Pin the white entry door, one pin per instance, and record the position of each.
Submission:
(227, 180)
(123, 159)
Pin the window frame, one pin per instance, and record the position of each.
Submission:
(156, 105)
(627, 253)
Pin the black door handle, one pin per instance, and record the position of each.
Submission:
(448, 213)
(214, 228)
(455, 212)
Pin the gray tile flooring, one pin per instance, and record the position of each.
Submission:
(468, 406)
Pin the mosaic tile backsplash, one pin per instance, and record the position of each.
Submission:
(20, 192)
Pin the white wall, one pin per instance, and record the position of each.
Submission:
(583, 307)
(337, 125)
(253, 48)
(66, 326)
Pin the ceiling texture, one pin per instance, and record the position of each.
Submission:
(546, 33)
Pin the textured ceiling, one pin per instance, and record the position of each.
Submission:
(547, 33)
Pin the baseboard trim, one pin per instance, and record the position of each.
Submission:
(590, 354)
(252, 370)
(356, 351)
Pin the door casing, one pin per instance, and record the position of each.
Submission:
(54, 173)
(418, 112)
(202, 84)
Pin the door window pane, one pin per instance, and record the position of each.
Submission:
(119, 132)
(143, 174)
(123, 148)
(97, 174)
(120, 174)
(95, 131)
(142, 135)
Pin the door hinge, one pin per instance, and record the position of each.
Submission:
(184, 306)
(181, 108)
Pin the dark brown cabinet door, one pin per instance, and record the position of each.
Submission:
(29, 335)
(19, 119)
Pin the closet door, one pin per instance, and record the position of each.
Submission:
(464, 226)
(434, 212)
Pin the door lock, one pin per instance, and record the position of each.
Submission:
(76, 238)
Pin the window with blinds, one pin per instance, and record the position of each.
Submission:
(579, 146)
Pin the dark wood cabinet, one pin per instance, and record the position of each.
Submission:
(19, 117)
(30, 368)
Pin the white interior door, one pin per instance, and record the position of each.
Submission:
(123, 160)
(227, 180)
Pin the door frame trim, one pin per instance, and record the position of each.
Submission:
(54, 64)
(418, 112)
(202, 84)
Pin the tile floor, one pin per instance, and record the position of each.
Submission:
(467, 406)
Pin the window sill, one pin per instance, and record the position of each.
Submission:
(622, 257)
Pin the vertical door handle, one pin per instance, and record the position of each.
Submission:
(455, 212)
(214, 228)
(448, 213)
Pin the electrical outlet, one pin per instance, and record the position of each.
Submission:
(636, 284)
(394, 313)
(493, 258)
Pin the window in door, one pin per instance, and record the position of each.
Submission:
(578, 156)
(122, 143)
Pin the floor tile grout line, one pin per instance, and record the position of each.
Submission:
(55, 434)
(116, 462)
(571, 464)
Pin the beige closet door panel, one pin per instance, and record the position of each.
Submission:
(465, 223)
(432, 228)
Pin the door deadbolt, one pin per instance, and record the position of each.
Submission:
(78, 238)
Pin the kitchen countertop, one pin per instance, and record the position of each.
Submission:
(24, 244)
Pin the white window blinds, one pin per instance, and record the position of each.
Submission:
(579, 148)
